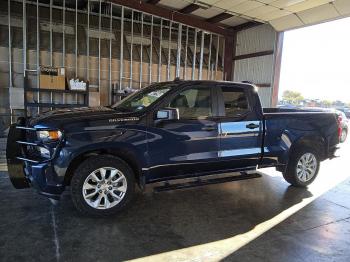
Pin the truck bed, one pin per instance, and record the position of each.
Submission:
(271, 110)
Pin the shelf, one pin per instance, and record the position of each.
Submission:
(56, 91)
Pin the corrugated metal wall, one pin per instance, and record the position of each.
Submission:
(259, 70)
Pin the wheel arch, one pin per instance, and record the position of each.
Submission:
(126, 154)
(317, 143)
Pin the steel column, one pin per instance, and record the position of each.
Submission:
(88, 43)
(37, 51)
(151, 53)
(217, 56)
(186, 46)
(141, 51)
(24, 25)
(63, 43)
(121, 48)
(178, 55)
(169, 50)
(131, 46)
(209, 57)
(51, 58)
(277, 68)
(64, 34)
(201, 57)
(51, 51)
(99, 48)
(160, 50)
(10, 46)
(194, 53)
(110, 54)
(76, 38)
(229, 53)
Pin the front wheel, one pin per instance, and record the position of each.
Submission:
(302, 168)
(102, 185)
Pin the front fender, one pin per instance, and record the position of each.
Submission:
(131, 143)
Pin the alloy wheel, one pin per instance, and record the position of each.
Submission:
(104, 188)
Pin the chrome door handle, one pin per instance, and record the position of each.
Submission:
(209, 128)
(252, 126)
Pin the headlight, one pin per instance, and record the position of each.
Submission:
(48, 136)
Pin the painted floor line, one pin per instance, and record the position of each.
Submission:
(55, 236)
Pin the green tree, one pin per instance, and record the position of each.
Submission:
(327, 103)
(292, 97)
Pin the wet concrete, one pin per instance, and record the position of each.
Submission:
(255, 220)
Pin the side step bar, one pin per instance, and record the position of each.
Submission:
(203, 182)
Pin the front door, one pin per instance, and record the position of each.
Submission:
(240, 129)
(188, 145)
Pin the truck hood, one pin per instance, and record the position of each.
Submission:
(57, 118)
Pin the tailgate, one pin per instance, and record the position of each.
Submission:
(14, 150)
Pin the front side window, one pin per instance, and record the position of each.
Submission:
(142, 99)
(235, 101)
(193, 103)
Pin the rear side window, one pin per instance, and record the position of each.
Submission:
(235, 101)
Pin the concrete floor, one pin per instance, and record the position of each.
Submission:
(255, 220)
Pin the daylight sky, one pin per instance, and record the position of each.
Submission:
(316, 61)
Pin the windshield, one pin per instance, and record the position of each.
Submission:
(142, 98)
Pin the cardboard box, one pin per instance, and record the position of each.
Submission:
(52, 78)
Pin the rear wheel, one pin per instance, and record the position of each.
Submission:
(303, 167)
(344, 134)
(102, 185)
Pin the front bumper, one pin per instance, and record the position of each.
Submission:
(26, 170)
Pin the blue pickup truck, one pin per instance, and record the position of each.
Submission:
(164, 132)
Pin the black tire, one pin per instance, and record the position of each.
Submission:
(89, 166)
(290, 173)
(343, 135)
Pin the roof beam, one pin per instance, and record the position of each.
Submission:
(244, 26)
(173, 15)
(153, 2)
(251, 55)
(189, 8)
(218, 18)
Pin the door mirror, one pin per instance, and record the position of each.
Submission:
(168, 114)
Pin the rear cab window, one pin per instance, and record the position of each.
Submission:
(234, 102)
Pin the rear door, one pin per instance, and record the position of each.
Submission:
(190, 144)
(240, 128)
